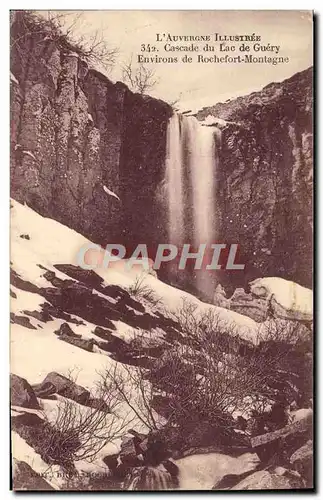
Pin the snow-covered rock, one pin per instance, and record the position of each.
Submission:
(264, 480)
(288, 300)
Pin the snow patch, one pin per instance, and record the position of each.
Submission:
(111, 193)
(13, 78)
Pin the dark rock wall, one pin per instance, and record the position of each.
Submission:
(74, 131)
(142, 169)
(265, 180)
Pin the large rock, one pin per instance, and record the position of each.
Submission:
(22, 393)
(86, 344)
(248, 305)
(286, 299)
(25, 478)
(219, 298)
(66, 331)
(63, 386)
(129, 452)
(264, 480)
(302, 461)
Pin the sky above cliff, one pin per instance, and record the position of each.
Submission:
(198, 84)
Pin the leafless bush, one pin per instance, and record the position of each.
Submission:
(63, 29)
(174, 103)
(215, 373)
(134, 389)
(211, 375)
(140, 77)
(203, 378)
(79, 433)
(75, 432)
(140, 290)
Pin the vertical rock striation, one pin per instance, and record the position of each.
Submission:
(265, 179)
(73, 131)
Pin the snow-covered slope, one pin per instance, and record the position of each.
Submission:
(50, 243)
(44, 273)
(53, 243)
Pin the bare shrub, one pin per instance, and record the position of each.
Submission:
(141, 290)
(285, 348)
(140, 77)
(62, 29)
(214, 373)
(75, 432)
(134, 389)
(209, 377)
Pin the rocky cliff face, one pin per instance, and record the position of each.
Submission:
(265, 179)
(73, 132)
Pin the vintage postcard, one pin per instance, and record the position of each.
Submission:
(161, 250)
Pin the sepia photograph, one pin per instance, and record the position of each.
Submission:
(161, 250)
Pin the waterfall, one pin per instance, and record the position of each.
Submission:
(174, 174)
(190, 174)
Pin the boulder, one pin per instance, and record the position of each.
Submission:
(111, 461)
(287, 300)
(21, 320)
(264, 480)
(65, 387)
(41, 315)
(128, 453)
(88, 277)
(25, 478)
(66, 331)
(300, 426)
(249, 305)
(219, 298)
(26, 419)
(103, 333)
(86, 344)
(22, 393)
(44, 390)
(302, 461)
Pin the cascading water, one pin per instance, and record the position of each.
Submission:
(190, 174)
(174, 173)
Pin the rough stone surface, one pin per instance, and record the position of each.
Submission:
(302, 461)
(64, 387)
(264, 480)
(73, 131)
(25, 478)
(22, 393)
(265, 179)
(248, 305)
